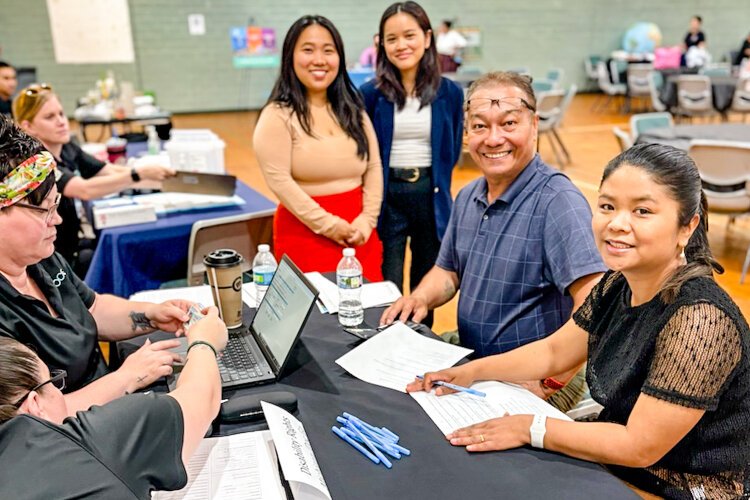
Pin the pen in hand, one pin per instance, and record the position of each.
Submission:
(456, 387)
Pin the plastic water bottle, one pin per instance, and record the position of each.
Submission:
(349, 280)
(154, 144)
(264, 267)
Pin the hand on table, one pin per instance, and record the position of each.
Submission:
(459, 375)
(404, 308)
(503, 433)
(149, 363)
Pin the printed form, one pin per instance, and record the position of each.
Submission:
(395, 356)
(457, 410)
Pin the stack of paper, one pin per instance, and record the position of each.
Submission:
(200, 294)
(373, 294)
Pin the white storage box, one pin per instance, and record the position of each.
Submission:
(123, 215)
(196, 150)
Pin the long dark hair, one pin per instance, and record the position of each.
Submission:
(346, 102)
(676, 171)
(16, 146)
(428, 74)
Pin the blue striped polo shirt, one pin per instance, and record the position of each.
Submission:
(515, 258)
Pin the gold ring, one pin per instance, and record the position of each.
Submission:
(481, 438)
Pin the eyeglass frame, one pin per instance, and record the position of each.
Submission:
(498, 100)
(48, 211)
(55, 376)
(37, 89)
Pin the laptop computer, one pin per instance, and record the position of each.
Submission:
(198, 183)
(261, 353)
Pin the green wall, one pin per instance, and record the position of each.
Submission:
(195, 73)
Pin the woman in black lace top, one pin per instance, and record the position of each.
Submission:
(668, 351)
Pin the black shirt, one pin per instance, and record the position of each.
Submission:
(122, 450)
(6, 108)
(72, 160)
(694, 39)
(692, 352)
(68, 342)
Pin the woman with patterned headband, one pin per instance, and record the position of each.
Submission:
(39, 112)
(45, 305)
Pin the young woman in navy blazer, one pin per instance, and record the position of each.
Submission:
(418, 118)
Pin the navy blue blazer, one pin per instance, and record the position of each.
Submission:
(446, 138)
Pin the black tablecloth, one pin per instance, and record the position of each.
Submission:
(680, 136)
(435, 469)
(722, 88)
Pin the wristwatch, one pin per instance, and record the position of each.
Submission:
(134, 175)
(537, 430)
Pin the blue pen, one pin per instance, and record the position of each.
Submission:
(353, 426)
(376, 430)
(393, 435)
(381, 446)
(456, 387)
(354, 444)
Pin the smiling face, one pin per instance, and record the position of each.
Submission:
(502, 133)
(636, 225)
(49, 125)
(316, 61)
(405, 42)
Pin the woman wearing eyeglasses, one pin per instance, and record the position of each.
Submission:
(44, 304)
(418, 119)
(123, 449)
(79, 175)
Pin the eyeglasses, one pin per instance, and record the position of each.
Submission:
(48, 212)
(57, 378)
(38, 88)
(512, 114)
(504, 104)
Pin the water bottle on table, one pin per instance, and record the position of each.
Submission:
(349, 280)
(264, 267)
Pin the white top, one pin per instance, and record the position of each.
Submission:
(411, 136)
(450, 43)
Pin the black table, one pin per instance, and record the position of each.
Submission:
(435, 469)
(680, 136)
(722, 88)
(160, 119)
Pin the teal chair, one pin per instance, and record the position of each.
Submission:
(644, 122)
(555, 75)
(542, 86)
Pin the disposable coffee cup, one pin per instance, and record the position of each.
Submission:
(225, 278)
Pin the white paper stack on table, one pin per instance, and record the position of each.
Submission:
(373, 294)
(245, 467)
(200, 294)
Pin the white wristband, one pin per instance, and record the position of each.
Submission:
(537, 430)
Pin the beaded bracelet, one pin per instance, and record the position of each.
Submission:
(202, 342)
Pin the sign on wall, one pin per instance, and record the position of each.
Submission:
(254, 47)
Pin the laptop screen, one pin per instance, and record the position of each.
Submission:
(283, 311)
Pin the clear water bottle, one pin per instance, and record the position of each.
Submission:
(154, 144)
(349, 280)
(264, 267)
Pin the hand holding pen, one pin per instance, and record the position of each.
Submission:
(450, 380)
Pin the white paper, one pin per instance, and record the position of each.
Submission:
(200, 294)
(196, 24)
(373, 294)
(295, 454)
(398, 354)
(457, 410)
(248, 295)
(238, 467)
(165, 203)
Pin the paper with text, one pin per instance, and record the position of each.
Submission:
(238, 467)
(373, 294)
(295, 454)
(398, 354)
(200, 294)
(457, 410)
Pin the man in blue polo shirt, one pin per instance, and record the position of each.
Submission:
(519, 242)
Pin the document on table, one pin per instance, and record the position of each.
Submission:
(295, 454)
(238, 467)
(461, 409)
(201, 294)
(373, 294)
(396, 355)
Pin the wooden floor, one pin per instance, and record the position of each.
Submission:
(589, 138)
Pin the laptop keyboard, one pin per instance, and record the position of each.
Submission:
(238, 362)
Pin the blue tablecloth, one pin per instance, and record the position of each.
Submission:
(143, 256)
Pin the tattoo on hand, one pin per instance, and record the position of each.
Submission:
(141, 379)
(140, 323)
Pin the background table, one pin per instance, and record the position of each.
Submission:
(722, 88)
(138, 257)
(435, 469)
(680, 136)
(160, 119)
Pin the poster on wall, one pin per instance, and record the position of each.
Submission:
(254, 47)
(91, 31)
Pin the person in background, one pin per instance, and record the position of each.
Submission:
(667, 350)
(124, 449)
(8, 85)
(519, 244)
(744, 52)
(319, 155)
(418, 119)
(44, 304)
(38, 111)
(449, 46)
(369, 56)
(694, 37)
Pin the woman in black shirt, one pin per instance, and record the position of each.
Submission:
(668, 351)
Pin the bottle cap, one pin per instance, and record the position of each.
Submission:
(264, 248)
(349, 252)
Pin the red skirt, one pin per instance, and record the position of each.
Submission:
(315, 252)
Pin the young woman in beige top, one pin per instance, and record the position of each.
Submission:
(319, 154)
